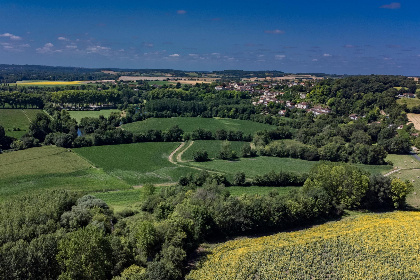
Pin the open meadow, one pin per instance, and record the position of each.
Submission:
(190, 124)
(50, 167)
(410, 170)
(78, 115)
(16, 121)
(262, 165)
(138, 163)
(410, 102)
(366, 246)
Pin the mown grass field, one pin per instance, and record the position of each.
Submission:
(138, 163)
(49, 167)
(367, 246)
(410, 170)
(410, 102)
(16, 121)
(263, 165)
(190, 124)
(212, 147)
(78, 115)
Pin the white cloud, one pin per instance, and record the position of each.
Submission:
(98, 49)
(275, 31)
(327, 55)
(11, 36)
(279, 56)
(71, 47)
(63, 39)
(314, 60)
(47, 48)
(174, 55)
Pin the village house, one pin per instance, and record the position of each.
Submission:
(318, 110)
(353, 117)
(303, 105)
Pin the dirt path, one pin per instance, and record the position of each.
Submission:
(171, 156)
(24, 112)
(179, 156)
(157, 185)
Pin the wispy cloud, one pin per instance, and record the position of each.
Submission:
(326, 55)
(10, 36)
(14, 47)
(279, 56)
(275, 31)
(181, 12)
(392, 6)
(98, 50)
(47, 48)
(174, 55)
(63, 39)
(148, 45)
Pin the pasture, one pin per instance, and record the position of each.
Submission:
(262, 165)
(138, 163)
(50, 167)
(78, 115)
(410, 170)
(16, 121)
(190, 124)
(367, 246)
(410, 102)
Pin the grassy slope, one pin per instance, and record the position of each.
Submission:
(368, 246)
(410, 170)
(262, 165)
(17, 118)
(212, 147)
(411, 102)
(137, 163)
(78, 115)
(50, 167)
(190, 124)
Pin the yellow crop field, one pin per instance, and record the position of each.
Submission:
(367, 246)
(49, 83)
(415, 119)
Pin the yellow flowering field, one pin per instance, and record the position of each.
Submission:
(368, 246)
(49, 83)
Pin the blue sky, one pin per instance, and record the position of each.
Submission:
(331, 36)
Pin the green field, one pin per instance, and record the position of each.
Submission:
(190, 124)
(410, 170)
(16, 121)
(137, 163)
(212, 147)
(78, 115)
(263, 165)
(410, 102)
(50, 167)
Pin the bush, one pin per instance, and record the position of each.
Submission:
(201, 156)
